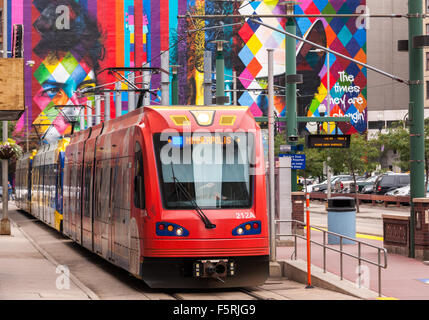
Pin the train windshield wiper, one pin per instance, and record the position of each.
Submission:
(180, 187)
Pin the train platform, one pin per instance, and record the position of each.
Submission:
(28, 273)
(37, 263)
(403, 279)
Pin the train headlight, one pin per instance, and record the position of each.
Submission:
(248, 228)
(168, 229)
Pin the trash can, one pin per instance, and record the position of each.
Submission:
(341, 219)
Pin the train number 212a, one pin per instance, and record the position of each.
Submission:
(245, 215)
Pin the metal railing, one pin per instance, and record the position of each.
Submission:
(342, 253)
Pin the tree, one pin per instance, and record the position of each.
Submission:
(360, 158)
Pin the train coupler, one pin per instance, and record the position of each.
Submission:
(214, 268)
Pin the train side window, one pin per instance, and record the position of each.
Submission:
(139, 192)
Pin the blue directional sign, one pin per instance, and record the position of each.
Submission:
(298, 160)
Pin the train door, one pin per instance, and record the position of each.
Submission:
(75, 173)
(40, 198)
(103, 208)
(121, 212)
(66, 197)
(139, 205)
(35, 178)
(96, 230)
(87, 206)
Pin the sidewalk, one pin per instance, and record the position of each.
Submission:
(404, 278)
(25, 274)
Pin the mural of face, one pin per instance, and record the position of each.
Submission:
(69, 59)
(60, 77)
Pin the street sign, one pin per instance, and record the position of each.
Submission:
(328, 141)
(298, 161)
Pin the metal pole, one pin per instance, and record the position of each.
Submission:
(329, 177)
(146, 85)
(174, 87)
(329, 92)
(106, 106)
(165, 79)
(234, 87)
(271, 161)
(118, 100)
(97, 109)
(274, 16)
(208, 96)
(416, 114)
(5, 223)
(89, 113)
(131, 94)
(291, 121)
(220, 72)
(82, 119)
(307, 205)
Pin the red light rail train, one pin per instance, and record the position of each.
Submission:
(174, 195)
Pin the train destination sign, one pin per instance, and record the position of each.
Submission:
(328, 141)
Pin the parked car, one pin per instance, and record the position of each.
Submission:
(345, 183)
(389, 182)
(367, 184)
(402, 191)
(322, 187)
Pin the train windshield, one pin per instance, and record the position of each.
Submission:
(215, 169)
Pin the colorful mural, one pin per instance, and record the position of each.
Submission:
(347, 80)
(108, 33)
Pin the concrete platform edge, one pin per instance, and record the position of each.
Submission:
(48, 257)
(296, 270)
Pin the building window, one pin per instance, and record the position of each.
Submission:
(427, 28)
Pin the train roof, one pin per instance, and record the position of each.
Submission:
(200, 117)
(176, 117)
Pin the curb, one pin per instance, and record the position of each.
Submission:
(296, 270)
(91, 294)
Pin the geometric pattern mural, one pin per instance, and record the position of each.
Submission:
(126, 33)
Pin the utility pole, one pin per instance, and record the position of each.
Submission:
(174, 85)
(416, 112)
(165, 79)
(106, 106)
(291, 124)
(208, 96)
(220, 72)
(271, 159)
(118, 100)
(5, 223)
